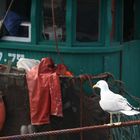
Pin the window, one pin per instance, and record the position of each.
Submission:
(113, 13)
(59, 16)
(87, 26)
(128, 23)
(16, 24)
(21, 7)
(2, 8)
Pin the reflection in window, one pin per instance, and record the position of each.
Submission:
(113, 12)
(59, 11)
(87, 27)
(17, 21)
(128, 23)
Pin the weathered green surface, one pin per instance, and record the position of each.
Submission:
(121, 59)
(131, 67)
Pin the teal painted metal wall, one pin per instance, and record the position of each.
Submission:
(131, 67)
(119, 58)
(80, 61)
(93, 58)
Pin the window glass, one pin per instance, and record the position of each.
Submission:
(16, 20)
(87, 27)
(128, 23)
(2, 8)
(21, 7)
(113, 13)
(59, 16)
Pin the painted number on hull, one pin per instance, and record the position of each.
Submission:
(11, 56)
(1, 55)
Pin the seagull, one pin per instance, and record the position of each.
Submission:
(114, 103)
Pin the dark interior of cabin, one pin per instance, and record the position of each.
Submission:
(129, 20)
(21, 7)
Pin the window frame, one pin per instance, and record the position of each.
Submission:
(71, 27)
(104, 25)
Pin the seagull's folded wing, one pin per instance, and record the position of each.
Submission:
(121, 103)
(125, 106)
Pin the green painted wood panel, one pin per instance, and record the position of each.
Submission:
(131, 67)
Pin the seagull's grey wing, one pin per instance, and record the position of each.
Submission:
(121, 103)
(114, 102)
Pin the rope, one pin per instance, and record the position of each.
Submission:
(81, 110)
(111, 80)
(9, 7)
(123, 90)
(72, 130)
(55, 35)
(137, 99)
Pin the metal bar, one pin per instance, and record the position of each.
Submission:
(73, 130)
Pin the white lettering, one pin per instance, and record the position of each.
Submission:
(13, 56)
(20, 56)
(1, 55)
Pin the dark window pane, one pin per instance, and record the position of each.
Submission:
(87, 27)
(128, 23)
(21, 7)
(113, 12)
(16, 23)
(2, 8)
(59, 13)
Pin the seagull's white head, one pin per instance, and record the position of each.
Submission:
(102, 84)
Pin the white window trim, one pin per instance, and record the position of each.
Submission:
(20, 39)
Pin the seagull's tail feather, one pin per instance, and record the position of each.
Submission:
(131, 112)
(136, 109)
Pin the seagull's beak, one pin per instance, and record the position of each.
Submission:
(95, 86)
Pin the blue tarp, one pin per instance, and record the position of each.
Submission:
(12, 23)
